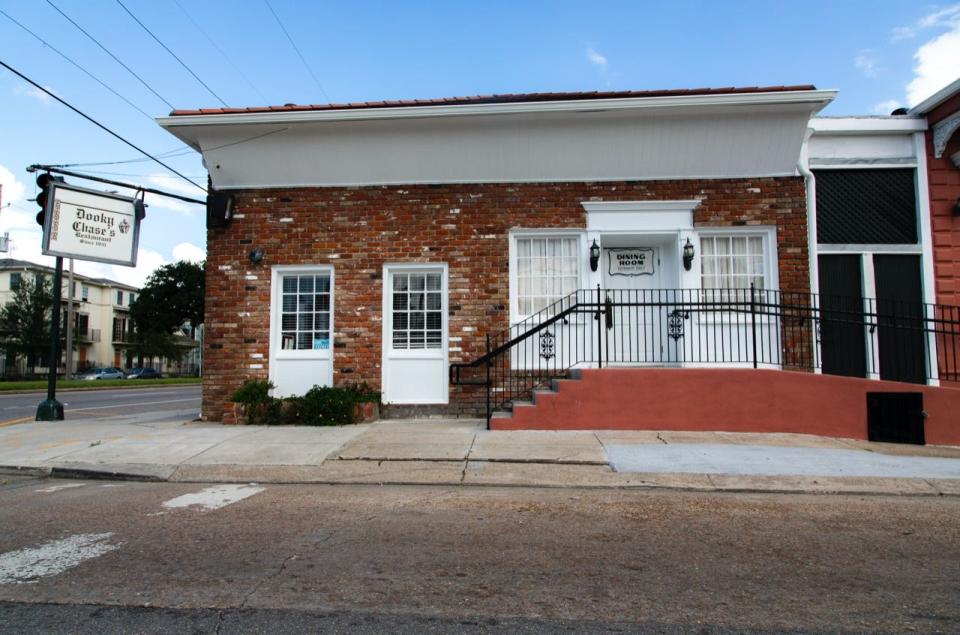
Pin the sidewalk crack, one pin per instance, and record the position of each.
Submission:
(466, 459)
(276, 574)
(661, 439)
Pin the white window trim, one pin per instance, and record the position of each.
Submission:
(415, 353)
(514, 286)
(768, 233)
(387, 335)
(276, 294)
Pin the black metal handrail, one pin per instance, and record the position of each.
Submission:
(898, 340)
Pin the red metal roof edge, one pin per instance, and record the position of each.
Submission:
(514, 98)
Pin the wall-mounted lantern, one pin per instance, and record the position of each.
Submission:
(956, 208)
(688, 253)
(256, 256)
(594, 255)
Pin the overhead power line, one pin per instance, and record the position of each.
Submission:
(295, 48)
(176, 152)
(56, 170)
(115, 58)
(82, 69)
(174, 55)
(96, 123)
(220, 50)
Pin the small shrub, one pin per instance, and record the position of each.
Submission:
(320, 406)
(258, 405)
(325, 406)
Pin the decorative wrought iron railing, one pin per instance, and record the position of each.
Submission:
(883, 339)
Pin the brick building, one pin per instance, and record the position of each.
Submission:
(382, 242)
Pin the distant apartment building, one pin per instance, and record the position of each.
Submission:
(103, 330)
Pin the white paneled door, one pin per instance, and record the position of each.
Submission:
(301, 330)
(415, 334)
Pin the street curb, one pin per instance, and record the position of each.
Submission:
(82, 473)
(104, 475)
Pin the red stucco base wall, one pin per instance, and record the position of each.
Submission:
(731, 400)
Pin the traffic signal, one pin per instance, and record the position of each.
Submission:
(44, 182)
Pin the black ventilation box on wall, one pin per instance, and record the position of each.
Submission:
(895, 417)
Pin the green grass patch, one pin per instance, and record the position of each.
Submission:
(41, 384)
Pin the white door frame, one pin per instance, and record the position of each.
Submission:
(277, 353)
(387, 332)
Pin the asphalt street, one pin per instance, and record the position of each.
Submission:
(97, 556)
(79, 404)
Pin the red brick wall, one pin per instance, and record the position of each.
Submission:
(358, 229)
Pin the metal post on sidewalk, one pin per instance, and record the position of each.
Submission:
(753, 323)
(68, 373)
(50, 409)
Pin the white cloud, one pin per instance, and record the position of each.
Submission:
(937, 64)
(36, 93)
(189, 251)
(596, 58)
(886, 107)
(11, 189)
(866, 61)
(946, 16)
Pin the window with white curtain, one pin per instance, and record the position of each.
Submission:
(547, 269)
(734, 261)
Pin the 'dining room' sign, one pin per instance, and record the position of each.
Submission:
(632, 261)
(90, 225)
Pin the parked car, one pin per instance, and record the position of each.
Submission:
(103, 373)
(143, 373)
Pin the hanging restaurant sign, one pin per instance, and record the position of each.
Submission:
(90, 225)
(632, 261)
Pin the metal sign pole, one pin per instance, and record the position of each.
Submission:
(50, 409)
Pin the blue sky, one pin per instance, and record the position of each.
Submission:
(878, 54)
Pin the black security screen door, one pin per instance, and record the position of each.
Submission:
(842, 331)
(900, 334)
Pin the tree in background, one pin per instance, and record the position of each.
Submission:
(172, 297)
(25, 321)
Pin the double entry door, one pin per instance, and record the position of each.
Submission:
(884, 336)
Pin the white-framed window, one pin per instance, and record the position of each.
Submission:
(417, 310)
(735, 259)
(544, 269)
(305, 311)
(85, 293)
(119, 298)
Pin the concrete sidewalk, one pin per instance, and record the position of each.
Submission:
(463, 452)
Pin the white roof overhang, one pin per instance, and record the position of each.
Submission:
(707, 136)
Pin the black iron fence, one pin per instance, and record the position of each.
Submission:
(895, 340)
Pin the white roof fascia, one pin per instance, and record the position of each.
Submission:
(867, 125)
(818, 98)
(936, 99)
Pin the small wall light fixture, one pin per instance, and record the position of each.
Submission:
(688, 253)
(594, 255)
(256, 256)
(956, 208)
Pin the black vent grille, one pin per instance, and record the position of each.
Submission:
(866, 206)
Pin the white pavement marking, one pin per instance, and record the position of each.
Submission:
(52, 558)
(708, 458)
(57, 488)
(214, 497)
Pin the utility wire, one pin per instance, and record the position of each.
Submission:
(173, 153)
(96, 123)
(174, 55)
(82, 69)
(295, 48)
(220, 50)
(115, 58)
